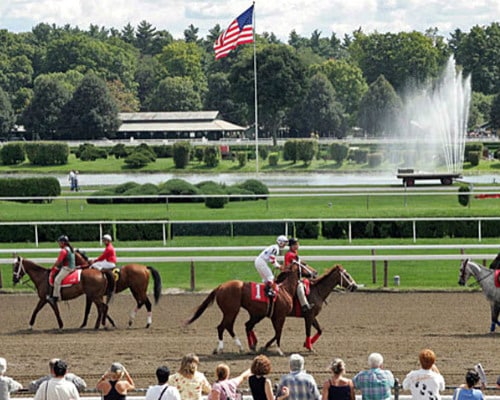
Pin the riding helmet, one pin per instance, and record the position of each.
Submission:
(282, 240)
(107, 237)
(292, 241)
(63, 238)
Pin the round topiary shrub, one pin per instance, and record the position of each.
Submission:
(273, 159)
(255, 186)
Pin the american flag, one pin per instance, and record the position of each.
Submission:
(240, 31)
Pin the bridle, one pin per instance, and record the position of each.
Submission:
(344, 276)
(19, 271)
(463, 271)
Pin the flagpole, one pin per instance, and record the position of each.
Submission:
(255, 96)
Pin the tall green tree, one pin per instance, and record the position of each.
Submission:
(183, 59)
(319, 112)
(405, 58)
(219, 97)
(347, 80)
(144, 37)
(191, 34)
(42, 116)
(7, 117)
(479, 53)
(495, 112)
(280, 79)
(379, 108)
(175, 94)
(148, 75)
(92, 111)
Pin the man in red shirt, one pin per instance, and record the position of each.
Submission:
(291, 258)
(107, 260)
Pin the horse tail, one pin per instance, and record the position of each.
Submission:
(157, 283)
(110, 284)
(203, 306)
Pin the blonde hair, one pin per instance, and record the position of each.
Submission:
(222, 372)
(337, 366)
(189, 364)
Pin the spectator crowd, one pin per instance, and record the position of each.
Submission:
(187, 383)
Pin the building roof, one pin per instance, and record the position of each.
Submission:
(186, 116)
(189, 121)
(216, 125)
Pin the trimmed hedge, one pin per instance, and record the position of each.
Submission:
(12, 153)
(47, 153)
(29, 187)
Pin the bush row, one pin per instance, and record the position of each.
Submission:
(38, 153)
(29, 187)
(180, 187)
(303, 230)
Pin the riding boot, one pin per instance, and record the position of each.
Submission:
(269, 291)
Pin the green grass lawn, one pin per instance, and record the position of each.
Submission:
(366, 205)
(166, 165)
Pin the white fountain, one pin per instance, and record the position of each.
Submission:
(434, 123)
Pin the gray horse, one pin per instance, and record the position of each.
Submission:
(486, 279)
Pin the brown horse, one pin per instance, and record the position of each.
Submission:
(93, 284)
(320, 289)
(233, 295)
(134, 277)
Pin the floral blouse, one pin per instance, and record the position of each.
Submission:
(190, 388)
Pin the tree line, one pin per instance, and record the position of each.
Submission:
(63, 82)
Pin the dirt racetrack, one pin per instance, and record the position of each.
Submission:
(398, 325)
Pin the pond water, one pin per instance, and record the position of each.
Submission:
(270, 179)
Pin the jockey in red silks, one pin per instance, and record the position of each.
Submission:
(291, 258)
(268, 256)
(107, 260)
(66, 264)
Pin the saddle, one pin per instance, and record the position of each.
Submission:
(497, 278)
(69, 280)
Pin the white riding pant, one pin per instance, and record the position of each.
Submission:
(103, 265)
(63, 273)
(263, 269)
(301, 294)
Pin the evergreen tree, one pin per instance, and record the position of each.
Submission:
(91, 113)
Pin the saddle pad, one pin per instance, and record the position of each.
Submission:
(258, 292)
(71, 279)
(497, 276)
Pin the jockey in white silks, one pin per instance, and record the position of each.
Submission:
(266, 257)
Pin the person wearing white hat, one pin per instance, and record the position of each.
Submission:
(7, 385)
(107, 260)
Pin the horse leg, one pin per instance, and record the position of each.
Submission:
(319, 331)
(278, 328)
(88, 304)
(99, 314)
(105, 308)
(495, 310)
(55, 308)
(149, 308)
(38, 307)
(310, 341)
(251, 336)
(226, 323)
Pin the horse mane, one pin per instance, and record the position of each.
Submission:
(35, 265)
(325, 274)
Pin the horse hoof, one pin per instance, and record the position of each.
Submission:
(217, 351)
(148, 325)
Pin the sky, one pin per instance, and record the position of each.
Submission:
(277, 16)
